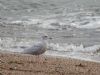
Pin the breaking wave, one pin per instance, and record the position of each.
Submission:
(85, 20)
(14, 42)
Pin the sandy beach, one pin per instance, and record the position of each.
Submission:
(19, 64)
(73, 29)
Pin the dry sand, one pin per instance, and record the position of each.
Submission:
(17, 64)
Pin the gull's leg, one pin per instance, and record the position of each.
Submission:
(38, 59)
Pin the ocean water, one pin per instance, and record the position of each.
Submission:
(73, 26)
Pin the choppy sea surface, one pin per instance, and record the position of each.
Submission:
(73, 26)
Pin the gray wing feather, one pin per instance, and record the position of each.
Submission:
(35, 48)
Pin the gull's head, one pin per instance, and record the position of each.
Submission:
(45, 37)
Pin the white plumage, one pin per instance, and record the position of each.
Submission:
(38, 48)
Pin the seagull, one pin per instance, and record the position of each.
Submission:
(38, 48)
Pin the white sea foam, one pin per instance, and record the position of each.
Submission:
(55, 49)
(90, 25)
(47, 24)
(11, 42)
(85, 20)
(42, 23)
(78, 20)
(74, 48)
(74, 51)
(27, 22)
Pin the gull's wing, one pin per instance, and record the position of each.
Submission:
(36, 49)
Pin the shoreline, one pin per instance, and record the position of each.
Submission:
(23, 64)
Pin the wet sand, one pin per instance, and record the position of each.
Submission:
(19, 64)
